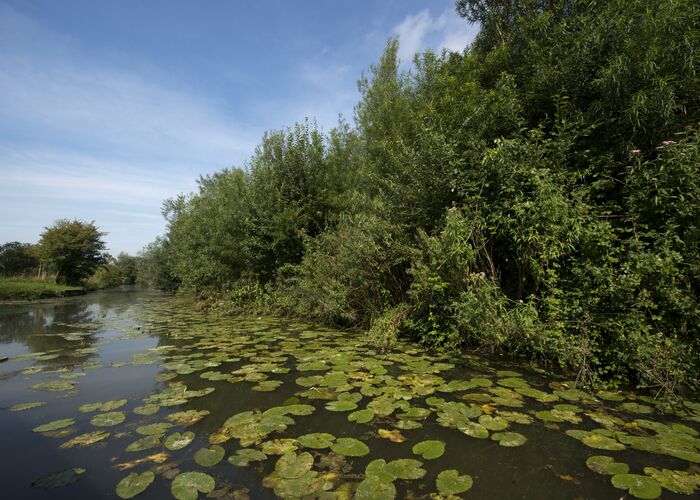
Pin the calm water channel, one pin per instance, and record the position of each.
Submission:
(132, 392)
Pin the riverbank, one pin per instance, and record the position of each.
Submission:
(22, 289)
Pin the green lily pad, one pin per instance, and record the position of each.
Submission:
(134, 483)
(350, 447)
(153, 429)
(86, 439)
(509, 439)
(113, 405)
(373, 488)
(341, 406)
(55, 425)
(636, 408)
(178, 441)
(53, 385)
(429, 450)
(208, 457)
(676, 481)
(244, 456)
(149, 409)
(474, 430)
(407, 425)
(279, 446)
(638, 486)
(145, 443)
(58, 479)
(449, 482)
(107, 419)
(361, 416)
(318, 440)
(596, 440)
(493, 423)
(602, 464)
(292, 466)
(27, 406)
(405, 468)
(188, 485)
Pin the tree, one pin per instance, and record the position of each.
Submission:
(75, 248)
(17, 258)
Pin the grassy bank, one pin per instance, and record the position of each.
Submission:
(29, 289)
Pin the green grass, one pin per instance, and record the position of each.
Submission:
(30, 289)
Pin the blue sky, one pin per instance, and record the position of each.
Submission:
(108, 108)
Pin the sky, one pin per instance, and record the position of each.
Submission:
(109, 108)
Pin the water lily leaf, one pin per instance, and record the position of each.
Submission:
(279, 446)
(373, 488)
(58, 479)
(509, 439)
(134, 483)
(188, 485)
(407, 425)
(430, 449)
(153, 429)
(361, 416)
(292, 466)
(378, 468)
(244, 456)
(178, 441)
(350, 447)
(405, 468)
(113, 404)
(86, 439)
(145, 443)
(602, 464)
(382, 406)
(107, 419)
(449, 482)
(636, 408)
(595, 440)
(317, 440)
(53, 385)
(27, 406)
(55, 425)
(187, 417)
(493, 423)
(149, 409)
(341, 406)
(676, 481)
(638, 486)
(305, 486)
(208, 457)
(474, 430)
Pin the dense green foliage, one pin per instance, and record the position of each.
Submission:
(74, 248)
(17, 259)
(114, 272)
(537, 194)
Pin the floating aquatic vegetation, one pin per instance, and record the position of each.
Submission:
(27, 406)
(449, 482)
(341, 406)
(361, 416)
(350, 447)
(177, 440)
(188, 485)
(86, 439)
(187, 417)
(208, 457)
(509, 439)
(602, 464)
(108, 419)
(53, 385)
(59, 479)
(638, 486)
(430, 449)
(280, 446)
(55, 425)
(317, 440)
(149, 409)
(134, 483)
(145, 443)
(493, 423)
(405, 468)
(676, 481)
(244, 456)
(157, 429)
(374, 488)
(596, 439)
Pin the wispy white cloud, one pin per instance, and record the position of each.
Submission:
(417, 32)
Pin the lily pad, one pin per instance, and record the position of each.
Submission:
(208, 457)
(493, 423)
(244, 456)
(317, 440)
(341, 406)
(373, 488)
(292, 466)
(474, 430)
(58, 479)
(638, 486)
(676, 481)
(602, 464)
(596, 440)
(350, 447)
(107, 419)
(86, 439)
(188, 485)
(405, 468)
(178, 441)
(361, 416)
(54, 386)
(27, 406)
(449, 482)
(429, 450)
(134, 483)
(153, 429)
(279, 446)
(55, 425)
(509, 439)
(145, 443)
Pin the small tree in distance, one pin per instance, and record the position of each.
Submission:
(75, 248)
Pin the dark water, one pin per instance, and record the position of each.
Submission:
(146, 347)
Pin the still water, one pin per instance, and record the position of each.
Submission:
(133, 393)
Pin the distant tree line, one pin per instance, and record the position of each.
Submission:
(537, 194)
